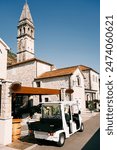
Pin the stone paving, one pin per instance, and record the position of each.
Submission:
(2, 147)
(87, 115)
(28, 146)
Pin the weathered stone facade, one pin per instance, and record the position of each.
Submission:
(25, 38)
(5, 98)
(24, 73)
(3, 76)
(87, 79)
(91, 85)
(28, 68)
(3, 59)
(66, 82)
(27, 71)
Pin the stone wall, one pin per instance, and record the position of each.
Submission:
(5, 100)
(56, 83)
(3, 60)
(79, 91)
(86, 80)
(94, 80)
(5, 116)
(24, 73)
(43, 67)
(27, 72)
(66, 82)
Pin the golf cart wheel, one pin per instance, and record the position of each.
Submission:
(61, 140)
(82, 127)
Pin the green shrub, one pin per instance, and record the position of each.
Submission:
(91, 106)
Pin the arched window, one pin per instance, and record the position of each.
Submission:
(31, 32)
(20, 31)
(24, 30)
(28, 30)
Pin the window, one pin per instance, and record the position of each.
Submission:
(0, 51)
(24, 30)
(20, 31)
(38, 84)
(46, 99)
(31, 32)
(28, 30)
(78, 80)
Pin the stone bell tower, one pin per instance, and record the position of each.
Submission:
(25, 38)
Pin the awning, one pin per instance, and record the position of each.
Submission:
(18, 89)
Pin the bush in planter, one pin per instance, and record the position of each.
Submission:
(91, 106)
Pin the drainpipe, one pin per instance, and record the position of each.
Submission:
(35, 75)
(70, 87)
(36, 68)
(90, 79)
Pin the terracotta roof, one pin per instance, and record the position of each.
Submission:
(58, 72)
(83, 68)
(30, 60)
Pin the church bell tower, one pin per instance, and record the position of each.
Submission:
(25, 38)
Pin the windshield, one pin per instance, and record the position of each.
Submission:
(51, 111)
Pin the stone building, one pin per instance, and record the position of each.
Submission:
(3, 59)
(26, 71)
(66, 79)
(25, 35)
(5, 99)
(33, 72)
(28, 68)
(91, 84)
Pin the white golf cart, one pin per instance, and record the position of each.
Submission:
(59, 121)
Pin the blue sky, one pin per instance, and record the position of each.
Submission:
(66, 31)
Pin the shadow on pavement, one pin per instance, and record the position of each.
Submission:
(94, 142)
(31, 139)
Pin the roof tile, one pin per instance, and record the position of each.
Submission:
(58, 72)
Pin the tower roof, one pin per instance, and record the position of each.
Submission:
(26, 13)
